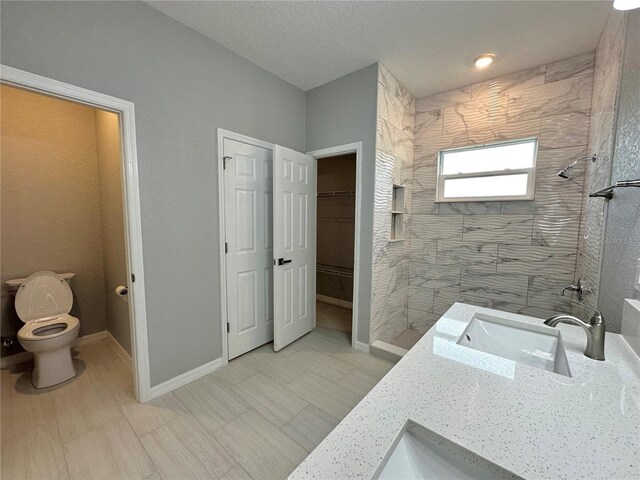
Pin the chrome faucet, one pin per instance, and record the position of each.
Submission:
(580, 288)
(595, 330)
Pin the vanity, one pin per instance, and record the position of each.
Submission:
(490, 394)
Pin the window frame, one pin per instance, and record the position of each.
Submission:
(530, 171)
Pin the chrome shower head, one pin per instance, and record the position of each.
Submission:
(564, 172)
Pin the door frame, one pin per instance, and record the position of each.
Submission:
(131, 196)
(338, 150)
(238, 137)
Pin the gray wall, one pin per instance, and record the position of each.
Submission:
(114, 249)
(344, 111)
(622, 232)
(184, 86)
(50, 202)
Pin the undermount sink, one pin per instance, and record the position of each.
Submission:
(419, 453)
(537, 346)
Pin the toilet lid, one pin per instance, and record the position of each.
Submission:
(43, 295)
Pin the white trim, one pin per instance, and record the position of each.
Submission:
(333, 152)
(25, 356)
(238, 137)
(122, 353)
(529, 171)
(92, 337)
(387, 351)
(133, 223)
(15, 359)
(361, 347)
(336, 302)
(187, 377)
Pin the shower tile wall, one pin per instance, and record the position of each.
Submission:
(513, 256)
(394, 165)
(606, 84)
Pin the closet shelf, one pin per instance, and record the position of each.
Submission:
(337, 193)
(333, 270)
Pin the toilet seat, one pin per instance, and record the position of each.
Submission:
(43, 296)
(37, 330)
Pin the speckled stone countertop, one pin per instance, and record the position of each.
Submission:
(533, 423)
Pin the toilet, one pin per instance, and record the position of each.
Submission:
(43, 302)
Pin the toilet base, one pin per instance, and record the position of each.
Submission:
(52, 368)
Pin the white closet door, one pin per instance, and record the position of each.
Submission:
(294, 245)
(248, 177)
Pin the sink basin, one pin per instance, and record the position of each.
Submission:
(537, 346)
(419, 453)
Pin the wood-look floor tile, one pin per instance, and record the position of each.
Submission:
(211, 402)
(145, 417)
(83, 405)
(277, 367)
(185, 449)
(310, 427)
(374, 365)
(23, 412)
(153, 476)
(359, 382)
(324, 365)
(259, 447)
(35, 454)
(318, 343)
(237, 473)
(328, 396)
(235, 371)
(269, 399)
(111, 451)
(336, 336)
(106, 364)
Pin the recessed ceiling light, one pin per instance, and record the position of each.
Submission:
(626, 4)
(483, 61)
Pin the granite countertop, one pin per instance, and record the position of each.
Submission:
(533, 423)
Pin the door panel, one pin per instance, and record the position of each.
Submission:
(294, 215)
(249, 259)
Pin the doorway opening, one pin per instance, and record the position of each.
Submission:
(335, 241)
(108, 191)
(62, 211)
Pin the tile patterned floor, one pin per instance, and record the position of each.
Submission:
(333, 317)
(256, 418)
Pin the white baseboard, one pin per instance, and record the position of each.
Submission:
(361, 347)
(11, 360)
(387, 351)
(334, 301)
(93, 337)
(187, 377)
(25, 356)
(122, 353)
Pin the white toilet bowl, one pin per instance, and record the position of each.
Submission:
(43, 302)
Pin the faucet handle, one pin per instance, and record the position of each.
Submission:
(580, 288)
(597, 318)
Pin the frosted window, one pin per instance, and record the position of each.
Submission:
(499, 171)
(488, 159)
(503, 186)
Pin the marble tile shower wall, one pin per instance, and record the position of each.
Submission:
(606, 83)
(513, 256)
(394, 165)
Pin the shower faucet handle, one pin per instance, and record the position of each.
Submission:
(580, 288)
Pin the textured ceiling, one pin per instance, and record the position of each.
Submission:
(428, 46)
